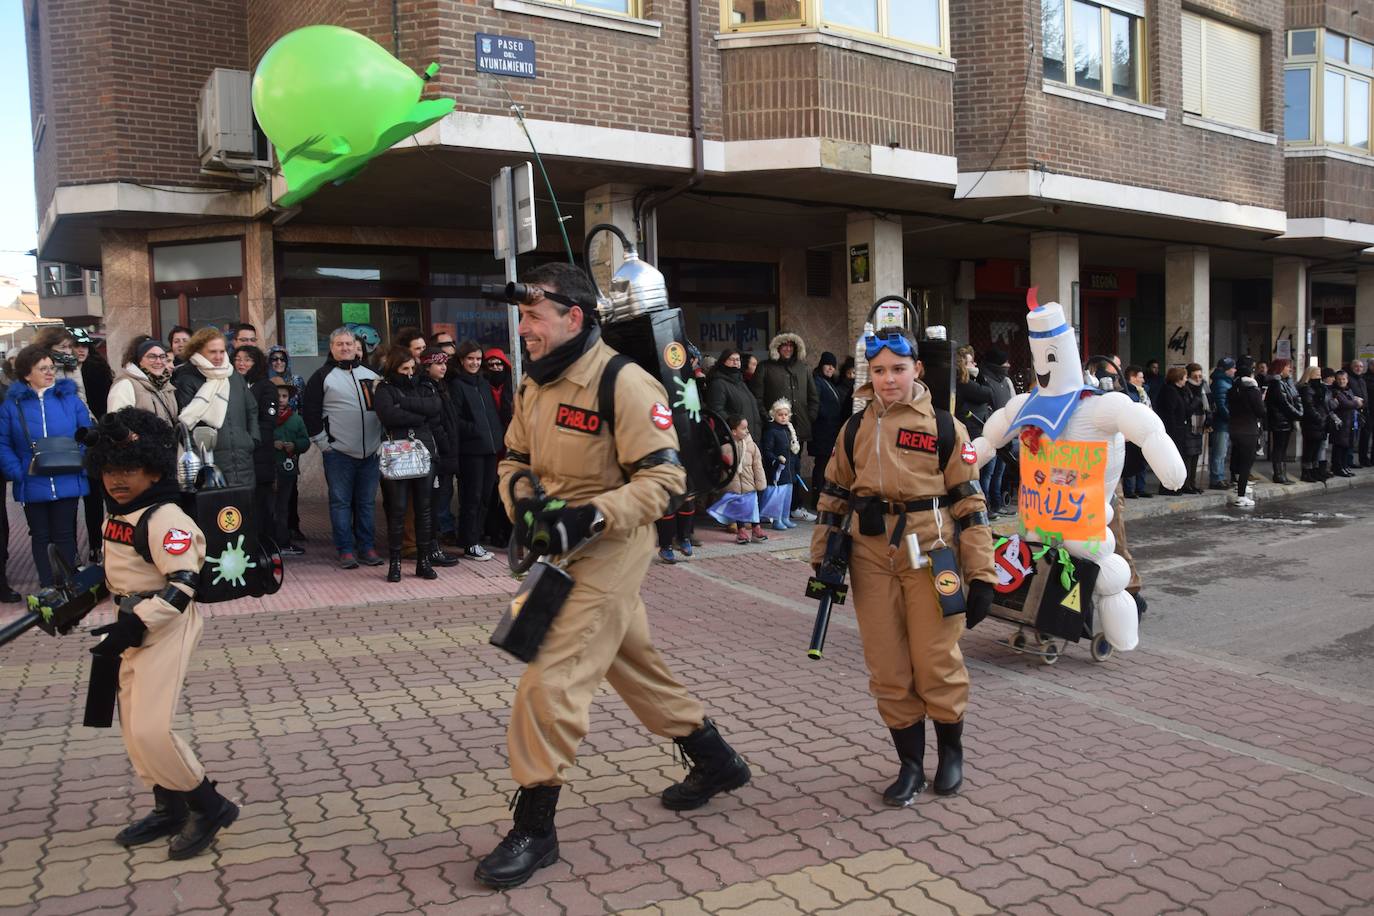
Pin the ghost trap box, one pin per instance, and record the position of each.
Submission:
(238, 562)
(1033, 593)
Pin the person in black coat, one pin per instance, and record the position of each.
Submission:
(1175, 407)
(482, 435)
(251, 363)
(1283, 409)
(728, 394)
(1345, 430)
(407, 409)
(829, 419)
(96, 379)
(1317, 423)
(447, 430)
(1245, 404)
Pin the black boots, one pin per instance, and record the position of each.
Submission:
(715, 768)
(393, 572)
(168, 817)
(949, 774)
(911, 779)
(532, 843)
(423, 568)
(437, 557)
(209, 813)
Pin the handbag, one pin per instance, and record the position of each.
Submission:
(52, 455)
(404, 459)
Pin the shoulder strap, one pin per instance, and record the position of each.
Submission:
(851, 432)
(141, 533)
(605, 390)
(944, 427)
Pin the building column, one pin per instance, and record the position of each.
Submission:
(1364, 313)
(1054, 267)
(1289, 312)
(614, 204)
(872, 264)
(1187, 305)
(125, 279)
(260, 282)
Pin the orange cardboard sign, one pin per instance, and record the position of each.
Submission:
(1063, 491)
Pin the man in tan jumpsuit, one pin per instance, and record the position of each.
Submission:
(617, 475)
(157, 627)
(911, 647)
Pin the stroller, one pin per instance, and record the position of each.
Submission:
(1047, 595)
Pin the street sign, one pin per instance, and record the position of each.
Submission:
(505, 56)
(512, 192)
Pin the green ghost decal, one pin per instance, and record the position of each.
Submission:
(232, 565)
(330, 100)
(688, 398)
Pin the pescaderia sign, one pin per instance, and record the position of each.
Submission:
(505, 56)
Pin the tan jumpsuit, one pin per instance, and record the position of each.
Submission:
(151, 675)
(602, 631)
(915, 667)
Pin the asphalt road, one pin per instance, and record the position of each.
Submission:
(1287, 586)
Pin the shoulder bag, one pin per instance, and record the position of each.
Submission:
(52, 455)
(404, 459)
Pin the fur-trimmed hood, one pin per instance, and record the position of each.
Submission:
(786, 337)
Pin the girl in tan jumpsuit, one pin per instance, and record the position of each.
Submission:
(912, 649)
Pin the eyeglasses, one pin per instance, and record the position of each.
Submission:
(50, 369)
(895, 341)
(155, 357)
(277, 358)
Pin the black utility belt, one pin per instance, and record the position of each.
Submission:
(872, 510)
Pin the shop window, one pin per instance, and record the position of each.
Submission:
(1094, 46)
(725, 303)
(61, 280)
(1328, 90)
(198, 285)
(350, 265)
(1221, 72)
(920, 23)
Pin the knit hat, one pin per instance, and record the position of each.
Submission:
(1225, 363)
(995, 357)
(1245, 365)
(828, 359)
(150, 344)
(82, 337)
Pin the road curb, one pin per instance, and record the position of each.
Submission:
(1262, 491)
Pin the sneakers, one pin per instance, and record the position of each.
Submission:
(758, 534)
(742, 538)
(347, 560)
(291, 550)
(667, 556)
(1242, 502)
(371, 558)
(685, 545)
(477, 552)
(802, 515)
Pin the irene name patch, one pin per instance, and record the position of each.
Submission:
(578, 419)
(914, 440)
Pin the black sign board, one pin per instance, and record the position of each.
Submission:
(505, 56)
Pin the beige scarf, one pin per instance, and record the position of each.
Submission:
(212, 400)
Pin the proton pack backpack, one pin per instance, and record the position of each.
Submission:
(238, 561)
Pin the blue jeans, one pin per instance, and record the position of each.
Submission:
(1217, 442)
(990, 479)
(352, 484)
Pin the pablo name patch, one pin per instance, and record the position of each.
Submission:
(578, 419)
(176, 541)
(119, 532)
(916, 441)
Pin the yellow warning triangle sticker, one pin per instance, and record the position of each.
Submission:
(1073, 600)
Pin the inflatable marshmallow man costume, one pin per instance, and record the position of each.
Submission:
(1061, 407)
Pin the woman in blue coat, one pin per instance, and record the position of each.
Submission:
(49, 407)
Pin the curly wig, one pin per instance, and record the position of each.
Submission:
(132, 438)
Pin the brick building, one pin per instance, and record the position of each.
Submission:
(1199, 181)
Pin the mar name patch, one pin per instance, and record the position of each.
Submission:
(578, 419)
(119, 532)
(913, 440)
(176, 542)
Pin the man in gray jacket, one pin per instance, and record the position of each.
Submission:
(337, 406)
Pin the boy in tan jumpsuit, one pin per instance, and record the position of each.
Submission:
(912, 649)
(617, 474)
(157, 628)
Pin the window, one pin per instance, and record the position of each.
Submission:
(1329, 86)
(911, 22)
(1221, 72)
(61, 280)
(93, 282)
(1094, 46)
(198, 285)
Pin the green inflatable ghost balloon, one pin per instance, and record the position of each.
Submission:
(330, 100)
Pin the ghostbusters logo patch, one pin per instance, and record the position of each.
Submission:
(176, 542)
(968, 454)
(578, 419)
(914, 440)
(660, 415)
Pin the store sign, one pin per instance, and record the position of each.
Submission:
(505, 56)
(746, 330)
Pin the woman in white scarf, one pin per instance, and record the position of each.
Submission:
(211, 394)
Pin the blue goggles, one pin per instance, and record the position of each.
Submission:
(895, 341)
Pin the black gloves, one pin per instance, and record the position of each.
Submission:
(554, 527)
(980, 595)
(125, 633)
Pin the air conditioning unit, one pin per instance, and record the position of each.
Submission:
(229, 136)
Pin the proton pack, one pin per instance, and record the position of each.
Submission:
(238, 561)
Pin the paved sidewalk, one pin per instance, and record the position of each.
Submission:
(366, 745)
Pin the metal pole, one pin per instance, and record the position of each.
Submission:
(512, 274)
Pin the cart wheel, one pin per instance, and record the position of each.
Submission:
(1051, 653)
(1018, 642)
(1101, 649)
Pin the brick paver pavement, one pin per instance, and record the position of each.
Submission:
(365, 741)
